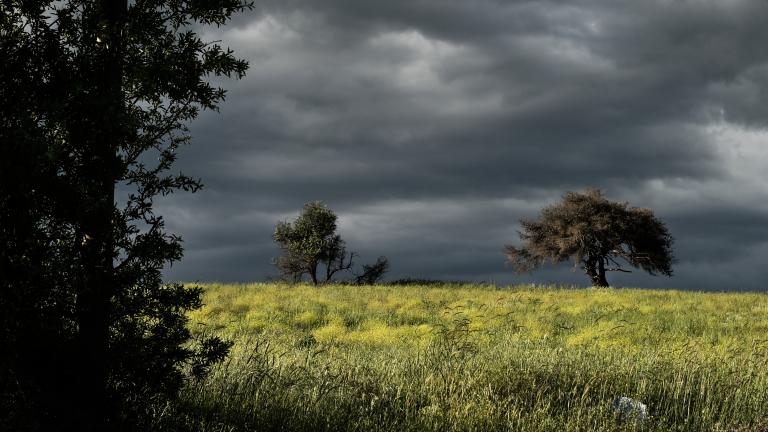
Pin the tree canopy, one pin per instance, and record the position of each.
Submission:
(97, 95)
(598, 234)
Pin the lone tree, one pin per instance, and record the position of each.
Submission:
(599, 234)
(310, 241)
(96, 96)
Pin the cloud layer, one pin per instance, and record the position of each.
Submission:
(432, 127)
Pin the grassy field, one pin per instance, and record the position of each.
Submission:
(464, 357)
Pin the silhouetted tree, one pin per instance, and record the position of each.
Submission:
(96, 95)
(598, 234)
(373, 273)
(308, 242)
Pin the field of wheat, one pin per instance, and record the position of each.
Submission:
(471, 357)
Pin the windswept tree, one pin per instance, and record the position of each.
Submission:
(311, 246)
(373, 273)
(598, 234)
(96, 97)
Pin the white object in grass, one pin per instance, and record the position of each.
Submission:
(627, 408)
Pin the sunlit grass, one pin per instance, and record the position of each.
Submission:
(481, 358)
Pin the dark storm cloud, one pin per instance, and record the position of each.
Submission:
(432, 127)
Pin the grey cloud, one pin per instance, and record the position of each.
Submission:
(440, 124)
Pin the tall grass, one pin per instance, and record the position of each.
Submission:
(392, 358)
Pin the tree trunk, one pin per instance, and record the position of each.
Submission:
(101, 138)
(313, 273)
(595, 269)
(601, 281)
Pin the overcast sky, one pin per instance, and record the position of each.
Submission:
(431, 127)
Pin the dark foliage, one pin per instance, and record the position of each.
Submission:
(95, 97)
(373, 273)
(600, 235)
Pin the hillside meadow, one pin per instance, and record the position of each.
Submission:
(479, 358)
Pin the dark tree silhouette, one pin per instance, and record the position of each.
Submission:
(373, 273)
(600, 235)
(92, 91)
(310, 241)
